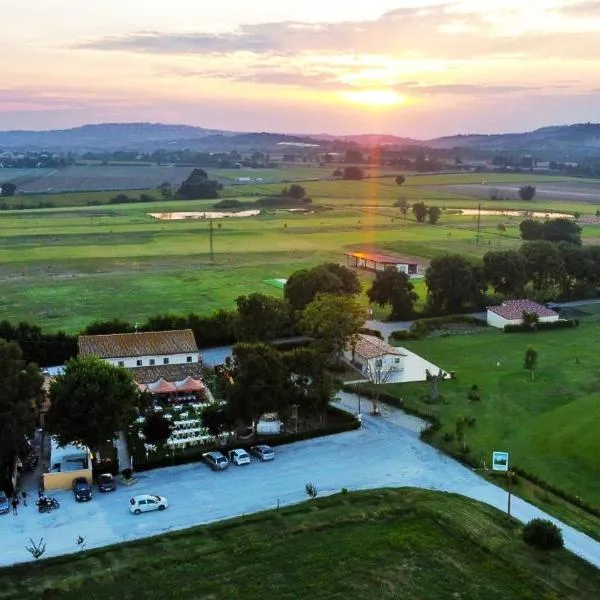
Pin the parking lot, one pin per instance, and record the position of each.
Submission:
(386, 452)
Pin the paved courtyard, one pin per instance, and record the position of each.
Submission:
(386, 452)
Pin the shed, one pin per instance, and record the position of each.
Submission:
(510, 312)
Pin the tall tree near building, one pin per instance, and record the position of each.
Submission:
(393, 288)
(334, 321)
(260, 318)
(505, 272)
(20, 390)
(453, 282)
(544, 265)
(91, 401)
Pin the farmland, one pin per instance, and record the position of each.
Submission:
(385, 544)
(64, 267)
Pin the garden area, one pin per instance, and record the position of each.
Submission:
(547, 418)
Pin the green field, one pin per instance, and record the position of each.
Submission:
(408, 544)
(64, 267)
(549, 425)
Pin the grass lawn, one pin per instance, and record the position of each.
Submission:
(408, 544)
(549, 424)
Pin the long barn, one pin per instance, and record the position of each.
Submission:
(379, 262)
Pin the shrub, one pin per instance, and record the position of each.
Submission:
(542, 326)
(448, 437)
(473, 394)
(543, 534)
(400, 336)
(373, 332)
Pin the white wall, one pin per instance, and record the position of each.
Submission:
(174, 359)
(495, 320)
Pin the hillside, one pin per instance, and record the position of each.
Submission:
(378, 544)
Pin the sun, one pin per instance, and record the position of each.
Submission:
(376, 98)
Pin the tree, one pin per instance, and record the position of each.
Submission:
(20, 391)
(295, 191)
(353, 173)
(544, 265)
(335, 321)
(165, 190)
(303, 286)
(530, 320)
(262, 382)
(419, 209)
(218, 419)
(433, 214)
(8, 189)
(260, 318)
(157, 429)
(198, 185)
(338, 173)
(543, 534)
(530, 360)
(354, 156)
(531, 229)
(395, 288)
(400, 179)
(562, 230)
(91, 401)
(527, 192)
(453, 282)
(403, 205)
(505, 272)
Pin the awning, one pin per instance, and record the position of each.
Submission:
(161, 387)
(189, 385)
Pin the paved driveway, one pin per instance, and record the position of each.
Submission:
(386, 452)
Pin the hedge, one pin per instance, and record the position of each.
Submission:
(373, 332)
(542, 326)
(350, 423)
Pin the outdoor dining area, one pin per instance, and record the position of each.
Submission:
(173, 392)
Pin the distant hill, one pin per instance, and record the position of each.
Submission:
(581, 139)
(563, 142)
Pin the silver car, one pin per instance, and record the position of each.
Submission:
(263, 452)
(215, 460)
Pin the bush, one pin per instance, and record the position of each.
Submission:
(228, 203)
(543, 534)
(400, 336)
(542, 326)
(448, 437)
(373, 332)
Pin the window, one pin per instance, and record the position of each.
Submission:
(152, 362)
(378, 362)
(165, 361)
(121, 363)
(189, 359)
(138, 362)
(396, 360)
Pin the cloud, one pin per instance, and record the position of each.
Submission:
(464, 89)
(586, 9)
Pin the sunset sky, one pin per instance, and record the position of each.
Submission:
(415, 68)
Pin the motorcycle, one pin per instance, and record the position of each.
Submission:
(47, 504)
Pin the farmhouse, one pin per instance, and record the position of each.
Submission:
(379, 262)
(382, 363)
(164, 363)
(510, 312)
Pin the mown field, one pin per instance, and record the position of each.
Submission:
(408, 544)
(64, 267)
(548, 424)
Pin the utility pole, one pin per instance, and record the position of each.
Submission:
(478, 221)
(210, 241)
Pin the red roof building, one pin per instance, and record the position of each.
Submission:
(510, 312)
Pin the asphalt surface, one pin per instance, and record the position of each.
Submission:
(386, 452)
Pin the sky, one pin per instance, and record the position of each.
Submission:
(415, 68)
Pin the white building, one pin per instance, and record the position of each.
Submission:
(510, 312)
(382, 363)
(143, 349)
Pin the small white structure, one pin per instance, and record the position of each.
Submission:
(382, 363)
(510, 312)
(269, 424)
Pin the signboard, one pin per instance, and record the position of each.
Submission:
(500, 461)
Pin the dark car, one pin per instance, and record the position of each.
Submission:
(82, 490)
(106, 483)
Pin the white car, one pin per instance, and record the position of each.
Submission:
(239, 457)
(147, 502)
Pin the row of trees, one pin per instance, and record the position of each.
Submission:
(420, 210)
(552, 230)
(540, 269)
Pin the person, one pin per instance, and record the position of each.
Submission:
(15, 503)
(24, 495)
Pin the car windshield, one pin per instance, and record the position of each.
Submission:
(156, 498)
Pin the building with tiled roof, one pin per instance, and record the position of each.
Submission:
(510, 312)
(381, 363)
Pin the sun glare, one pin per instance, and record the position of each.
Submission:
(375, 98)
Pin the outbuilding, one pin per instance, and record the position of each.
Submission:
(510, 312)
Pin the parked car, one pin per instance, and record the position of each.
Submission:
(147, 502)
(263, 452)
(4, 506)
(215, 460)
(239, 457)
(82, 490)
(106, 483)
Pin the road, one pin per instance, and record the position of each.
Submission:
(386, 452)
